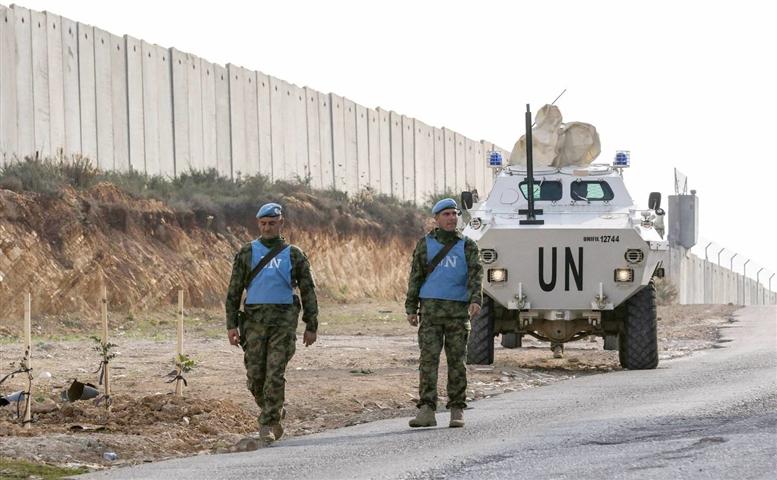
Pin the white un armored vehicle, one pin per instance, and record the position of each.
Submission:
(575, 259)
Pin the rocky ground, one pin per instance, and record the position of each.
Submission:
(363, 368)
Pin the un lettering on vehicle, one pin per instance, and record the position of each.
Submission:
(572, 268)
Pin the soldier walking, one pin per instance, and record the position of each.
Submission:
(445, 277)
(268, 270)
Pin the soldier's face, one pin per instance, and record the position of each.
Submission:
(447, 219)
(270, 227)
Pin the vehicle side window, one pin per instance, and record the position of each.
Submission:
(591, 190)
(547, 190)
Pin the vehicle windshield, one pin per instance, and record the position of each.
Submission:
(591, 190)
(543, 190)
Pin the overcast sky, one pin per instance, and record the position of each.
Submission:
(691, 85)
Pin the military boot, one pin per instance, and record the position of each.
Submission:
(425, 418)
(266, 434)
(457, 418)
(277, 430)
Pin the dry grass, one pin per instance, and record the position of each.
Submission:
(358, 267)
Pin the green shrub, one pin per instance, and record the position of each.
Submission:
(34, 175)
(209, 195)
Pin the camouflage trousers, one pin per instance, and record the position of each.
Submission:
(434, 334)
(267, 351)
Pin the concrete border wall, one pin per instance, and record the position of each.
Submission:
(67, 88)
(702, 281)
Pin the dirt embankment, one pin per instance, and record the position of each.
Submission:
(61, 246)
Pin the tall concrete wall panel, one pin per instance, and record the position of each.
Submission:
(424, 162)
(277, 139)
(70, 88)
(223, 125)
(150, 95)
(338, 142)
(460, 144)
(24, 89)
(265, 124)
(119, 111)
(325, 136)
(237, 121)
(9, 145)
(135, 111)
(384, 139)
(209, 125)
(251, 119)
(395, 148)
(103, 99)
(40, 84)
(362, 147)
(470, 162)
(180, 80)
(193, 67)
(299, 132)
(438, 162)
(373, 148)
(87, 92)
(449, 151)
(166, 122)
(313, 137)
(286, 124)
(408, 158)
(351, 179)
(56, 88)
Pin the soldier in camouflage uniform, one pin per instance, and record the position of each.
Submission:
(267, 329)
(449, 297)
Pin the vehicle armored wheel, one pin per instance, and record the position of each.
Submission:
(638, 339)
(480, 346)
(511, 340)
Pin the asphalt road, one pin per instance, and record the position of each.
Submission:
(711, 415)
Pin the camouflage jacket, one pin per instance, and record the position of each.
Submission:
(443, 308)
(301, 277)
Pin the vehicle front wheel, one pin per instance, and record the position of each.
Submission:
(638, 339)
(480, 346)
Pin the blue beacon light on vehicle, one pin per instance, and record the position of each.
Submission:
(494, 159)
(622, 159)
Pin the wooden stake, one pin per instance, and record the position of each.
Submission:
(104, 315)
(179, 345)
(28, 358)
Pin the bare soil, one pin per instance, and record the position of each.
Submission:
(363, 368)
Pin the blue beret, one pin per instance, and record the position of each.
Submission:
(269, 210)
(444, 204)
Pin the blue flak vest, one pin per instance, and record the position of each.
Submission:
(273, 284)
(449, 280)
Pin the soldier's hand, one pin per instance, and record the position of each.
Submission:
(309, 338)
(234, 337)
(412, 319)
(473, 310)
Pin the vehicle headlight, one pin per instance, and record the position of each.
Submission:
(476, 223)
(497, 275)
(624, 275)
